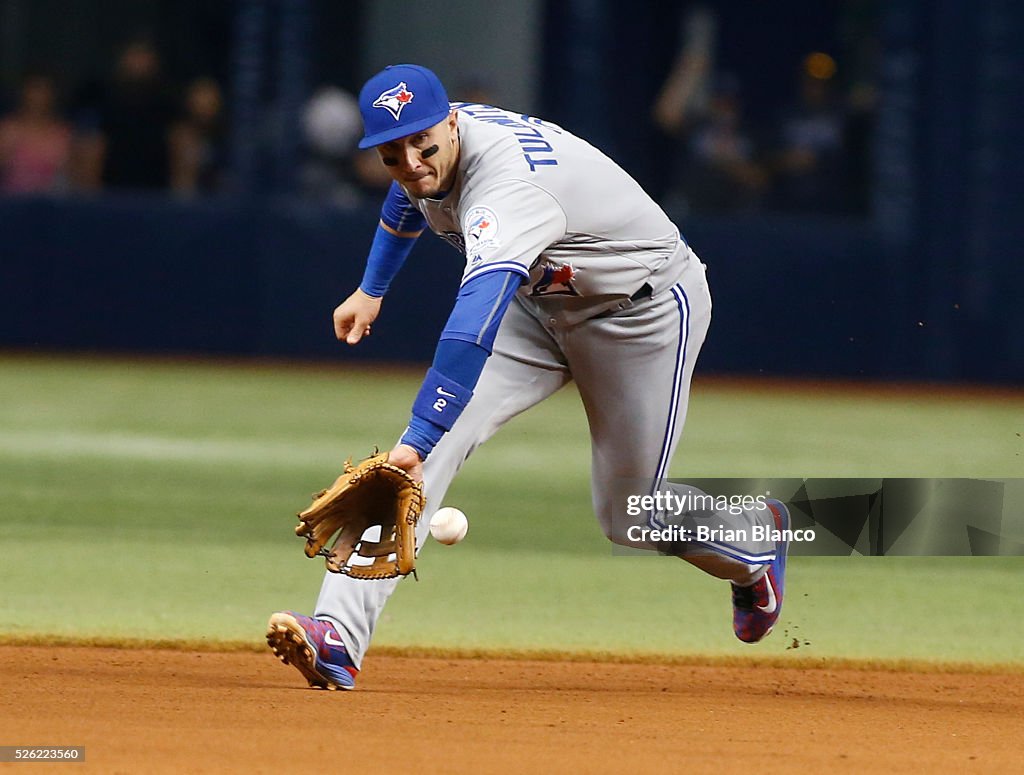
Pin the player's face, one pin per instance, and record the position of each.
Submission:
(424, 163)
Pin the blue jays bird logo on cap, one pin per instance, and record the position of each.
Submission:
(399, 101)
(394, 99)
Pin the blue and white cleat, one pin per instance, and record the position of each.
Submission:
(756, 609)
(311, 646)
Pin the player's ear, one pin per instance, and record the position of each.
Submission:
(453, 122)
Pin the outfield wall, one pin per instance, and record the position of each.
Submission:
(792, 296)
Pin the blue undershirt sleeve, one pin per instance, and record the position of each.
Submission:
(463, 349)
(399, 213)
(480, 306)
(387, 254)
(389, 251)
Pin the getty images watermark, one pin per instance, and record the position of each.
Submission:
(689, 515)
(872, 516)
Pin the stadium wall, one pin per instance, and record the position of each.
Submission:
(134, 274)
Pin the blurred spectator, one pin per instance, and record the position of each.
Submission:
(860, 54)
(331, 126)
(808, 161)
(35, 142)
(197, 140)
(372, 178)
(858, 131)
(128, 145)
(722, 173)
(683, 99)
(335, 171)
(682, 103)
(85, 170)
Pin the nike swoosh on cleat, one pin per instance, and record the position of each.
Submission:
(773, 603)
(330, 640)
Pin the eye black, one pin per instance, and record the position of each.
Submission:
(389, 161)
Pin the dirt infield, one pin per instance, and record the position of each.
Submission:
(157, 711)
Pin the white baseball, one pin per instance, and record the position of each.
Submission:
(448, 525)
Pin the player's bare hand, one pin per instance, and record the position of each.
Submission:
(408, 459)
(354, 316)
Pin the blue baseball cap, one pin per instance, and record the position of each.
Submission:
(401, 100)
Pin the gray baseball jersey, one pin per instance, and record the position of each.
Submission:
(612, 299)
(535, 199)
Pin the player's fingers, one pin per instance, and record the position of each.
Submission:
(359, 330)
(342, 324)
(342, 330)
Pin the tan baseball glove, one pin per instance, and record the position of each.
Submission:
(373, 493)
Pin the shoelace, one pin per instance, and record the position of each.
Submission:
(743, 597)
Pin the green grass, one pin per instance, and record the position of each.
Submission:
(155, 500)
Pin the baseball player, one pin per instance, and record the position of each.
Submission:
(573, 273)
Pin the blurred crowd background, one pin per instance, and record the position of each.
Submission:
(728, 125)
(879, 139)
